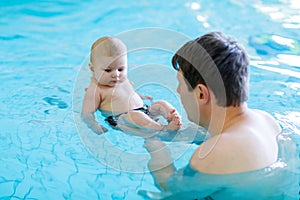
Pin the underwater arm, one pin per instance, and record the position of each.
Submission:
(89, 119)
(90, 105)
(161, 163)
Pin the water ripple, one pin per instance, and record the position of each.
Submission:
(12, 37)
(269, 44)
(56, 101)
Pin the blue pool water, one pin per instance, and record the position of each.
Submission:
(46, 153)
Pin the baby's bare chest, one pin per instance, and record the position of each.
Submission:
(120, 99)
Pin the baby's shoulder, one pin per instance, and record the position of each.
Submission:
(93, 89)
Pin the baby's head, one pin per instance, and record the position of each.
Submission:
(108, 60)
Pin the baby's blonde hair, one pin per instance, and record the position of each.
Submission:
(108, 47)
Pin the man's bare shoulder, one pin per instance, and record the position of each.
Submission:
(235, 152)
(266, 120)
(215, 155)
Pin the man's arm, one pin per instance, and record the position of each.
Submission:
(161, 163)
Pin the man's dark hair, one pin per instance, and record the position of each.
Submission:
(219, 63)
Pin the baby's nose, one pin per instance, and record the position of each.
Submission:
(116, 73)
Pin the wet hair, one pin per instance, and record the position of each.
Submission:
(218, 62)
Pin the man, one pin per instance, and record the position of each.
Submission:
(213, 86)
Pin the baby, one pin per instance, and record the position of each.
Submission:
(112, 93)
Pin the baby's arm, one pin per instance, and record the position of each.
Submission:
(90, 105)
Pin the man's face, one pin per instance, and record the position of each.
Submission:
(188, 99)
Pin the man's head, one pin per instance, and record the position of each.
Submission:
(217, 62)
(108, 60)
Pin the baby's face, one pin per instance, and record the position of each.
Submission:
(110, 71)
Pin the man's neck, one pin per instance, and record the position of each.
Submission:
(224, 117)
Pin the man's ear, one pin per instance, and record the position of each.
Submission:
(91, 67)
(202, 93)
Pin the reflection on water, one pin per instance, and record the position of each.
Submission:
(268, 44)
(286, 12)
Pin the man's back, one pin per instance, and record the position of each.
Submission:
(248, 143)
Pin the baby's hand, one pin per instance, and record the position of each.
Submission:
(146, 97)
(100, 130)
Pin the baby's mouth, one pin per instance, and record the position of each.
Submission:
(115, 80)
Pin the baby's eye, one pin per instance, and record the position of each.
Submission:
(107, 70)
(121, 69)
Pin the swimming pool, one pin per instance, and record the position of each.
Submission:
(44, 47)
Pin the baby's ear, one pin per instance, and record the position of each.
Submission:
(91, 67)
